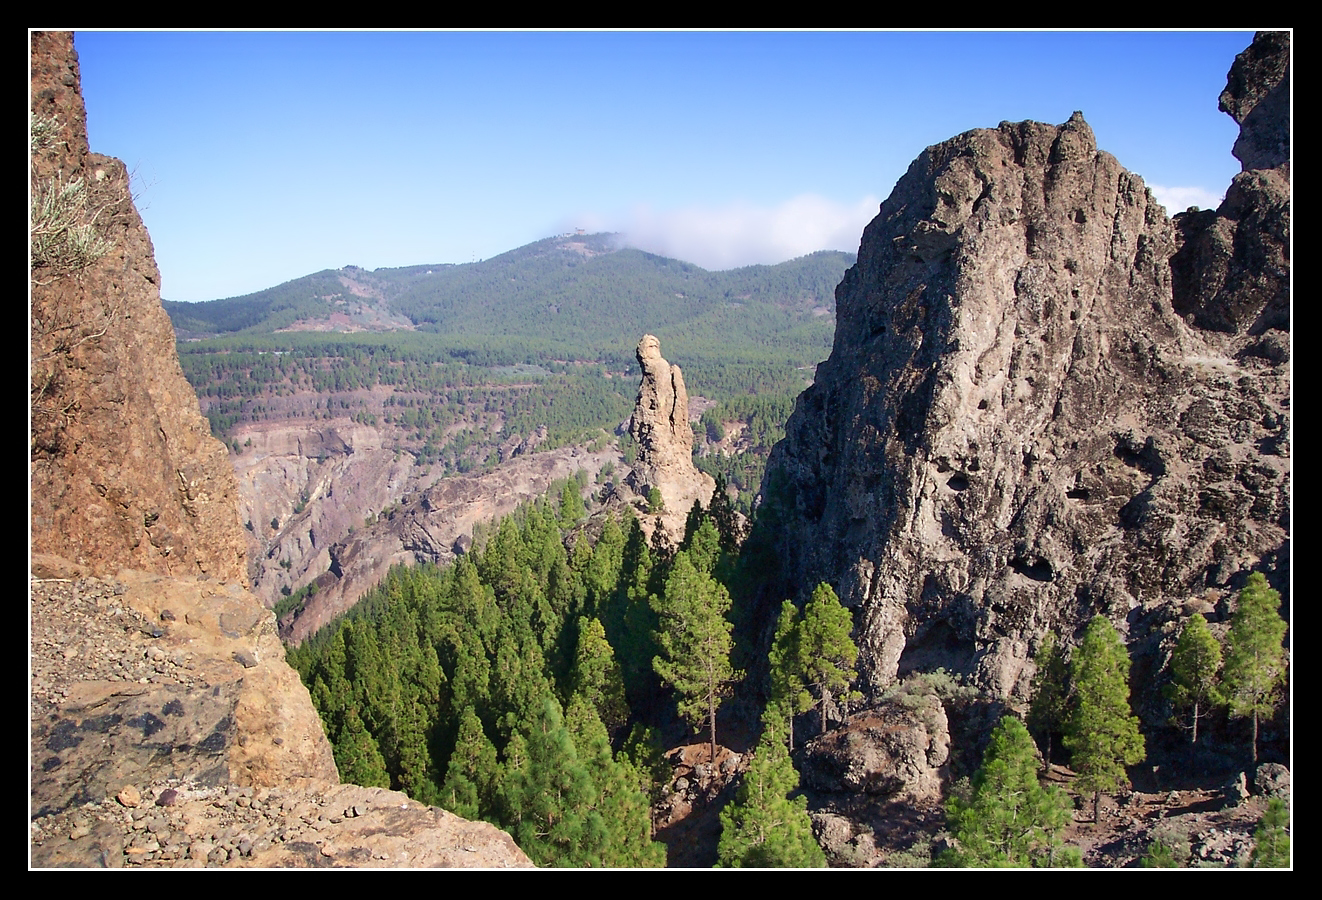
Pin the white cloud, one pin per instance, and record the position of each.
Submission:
(1178, 199)
(741, 234)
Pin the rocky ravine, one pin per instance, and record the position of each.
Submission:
(166, 728)
(365, 508)
(429, 525)
(1046, 401)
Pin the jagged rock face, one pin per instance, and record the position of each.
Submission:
(1016, 430)
(164, 688)
(1257, 96)
(1232, 272)
(319, 484)
(660, 426)
(124, 472)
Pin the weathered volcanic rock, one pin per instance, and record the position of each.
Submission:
(124, 470)
(1232, 272)
(660, 425)
(189, 682)
(894, 750)
(168, 731)
(1017, 430)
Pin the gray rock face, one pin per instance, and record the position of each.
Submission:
(660, 425)
(1257, 96)
(1232, 271)
(1017, 430)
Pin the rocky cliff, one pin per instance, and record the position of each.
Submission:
(434, 524)
(124, 470)
(1046, 401)
(166, 727)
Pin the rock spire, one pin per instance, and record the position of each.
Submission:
(660, 426)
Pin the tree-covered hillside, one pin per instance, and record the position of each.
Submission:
(568, 297)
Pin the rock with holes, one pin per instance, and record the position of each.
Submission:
(1018, 428)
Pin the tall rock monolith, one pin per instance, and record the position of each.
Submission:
(660, 426)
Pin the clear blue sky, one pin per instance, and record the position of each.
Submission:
(262, 157)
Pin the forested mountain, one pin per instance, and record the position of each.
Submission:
(578, 297)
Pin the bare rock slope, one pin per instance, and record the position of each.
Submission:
(1046, 401)
(167, 731)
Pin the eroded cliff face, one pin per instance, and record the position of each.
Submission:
(124, 470)
(431, 525)
(1035, 411)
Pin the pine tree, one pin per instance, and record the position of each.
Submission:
(1255, 661)
(727, 521)
(789, 695)
(571, 504)
(470, 779)
(1271, 842)
(695, 641)
(827, 654)
(1159, 856)
(1102, 733)
(596, 677)
(547, 793)
(621, 793)
(1007, 818)
(1196, 672)
(1050, 705)
(763, 827)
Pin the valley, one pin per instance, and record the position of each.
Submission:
(973, 549)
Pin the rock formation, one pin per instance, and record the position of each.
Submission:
(167, 729)
(124, 470)
(660, 426)
(1037, 410)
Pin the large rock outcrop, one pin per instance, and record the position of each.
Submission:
(124, 469)
(1036, 411)
(660, 426)
(168, 731)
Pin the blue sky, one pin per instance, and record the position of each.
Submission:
(264, 156)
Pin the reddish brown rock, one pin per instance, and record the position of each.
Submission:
(124, 470)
